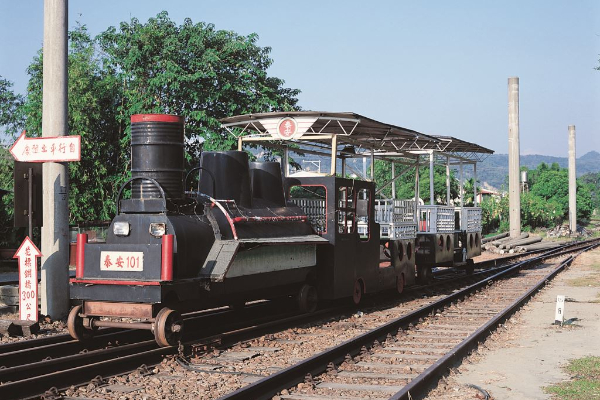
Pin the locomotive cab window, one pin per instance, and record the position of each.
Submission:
(346, 212)
(312, 199)
(363, 213)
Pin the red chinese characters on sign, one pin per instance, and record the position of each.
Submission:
(28, 294)
(287, 128)
(121, 261)
(47, 149)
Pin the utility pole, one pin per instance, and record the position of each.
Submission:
(514, 197)
(55, 232)
(572, 182)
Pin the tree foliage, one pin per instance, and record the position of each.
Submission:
(546, 203)
(193, 70)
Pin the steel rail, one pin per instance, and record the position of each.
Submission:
(29, 380)
(419, 384)
(269, 386)
(117, 360)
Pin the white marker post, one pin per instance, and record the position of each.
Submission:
(559, 316)
(28, 280)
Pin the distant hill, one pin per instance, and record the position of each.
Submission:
(494, 169)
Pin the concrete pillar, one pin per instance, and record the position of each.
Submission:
(431, 178)
(572, 181)
(55, 232)
(514, 197)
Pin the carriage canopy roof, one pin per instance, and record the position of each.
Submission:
(353, 135)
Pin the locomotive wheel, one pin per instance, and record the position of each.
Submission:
(400, 283)
(75, 325)
(167, 327)
(308, 299)
(357, 292)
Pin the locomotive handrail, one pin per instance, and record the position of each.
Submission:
(225, 213)
(153, 181)
(203, 169)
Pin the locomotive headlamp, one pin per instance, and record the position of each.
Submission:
(158, 229)
(121, 228)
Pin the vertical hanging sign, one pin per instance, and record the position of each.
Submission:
(28, 280)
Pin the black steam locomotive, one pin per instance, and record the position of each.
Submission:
(247, 233)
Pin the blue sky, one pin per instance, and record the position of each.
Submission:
(439, 67)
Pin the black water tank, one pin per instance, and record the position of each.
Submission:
(225, 176)
(157, 153)
(266, 182)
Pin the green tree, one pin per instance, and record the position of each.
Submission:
(11, 121)
(191, 70)
(591, 180)
(195, 71)
(92, 95)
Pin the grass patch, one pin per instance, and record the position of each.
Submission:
(584, 383)
(586, 281)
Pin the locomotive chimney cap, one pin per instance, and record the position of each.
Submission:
(156, 118)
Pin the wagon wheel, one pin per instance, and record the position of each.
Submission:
(470, 268)
(400, 283)
(357, 292)
(167, 327)
(75, 325)
(308, 299)
(424, 274)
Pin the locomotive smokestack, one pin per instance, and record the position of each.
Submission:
(157, 153)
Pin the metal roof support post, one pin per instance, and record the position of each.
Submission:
(240, 143)
(431, 194)
(462, 188)
(286, 161)
(393, 181)
(343, 167)
(417, 195)
(447, 180)
(372, 165)
(474, 184)
(333, 154)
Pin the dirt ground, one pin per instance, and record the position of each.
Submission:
(527, 354)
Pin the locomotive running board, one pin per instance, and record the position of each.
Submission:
(223, 252)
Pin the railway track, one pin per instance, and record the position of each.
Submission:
(218, 355)
(405, 356)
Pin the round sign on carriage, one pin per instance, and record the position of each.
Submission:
(287, 128)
